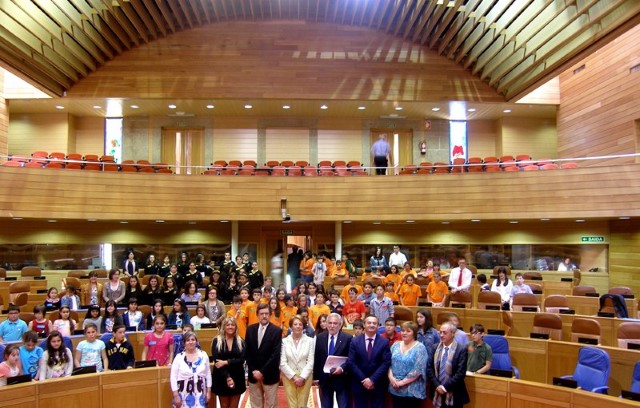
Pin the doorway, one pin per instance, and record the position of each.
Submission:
(184, 149)
(283, 241)
(401, 143)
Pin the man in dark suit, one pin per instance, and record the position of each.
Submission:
(336, 381)
(446, 370)
(368, 365)
(264, 341)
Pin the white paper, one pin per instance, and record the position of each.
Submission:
(333, 362)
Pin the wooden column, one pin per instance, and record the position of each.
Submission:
(4, 122)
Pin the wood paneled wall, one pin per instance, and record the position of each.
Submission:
(624, 254)
(535, 137)
(89, 136)
(339, 144)
(287, 144)
(600, 103)
(482, 137)
(235, 144)
(567, 194)
(4, 122)
(284, 59)
(40, 131)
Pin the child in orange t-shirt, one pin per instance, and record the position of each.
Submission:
(393, 277)
(248, 307)
(237, 313)
(344, 295)
(409, 293)
(391, 293)
(437, 291)
(288, 311)
(319, 309)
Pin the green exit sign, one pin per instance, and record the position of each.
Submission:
(592, 239)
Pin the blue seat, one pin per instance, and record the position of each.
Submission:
(106, 337)
(66, 340)
(592, 370)
(501, 357)
(635, 381)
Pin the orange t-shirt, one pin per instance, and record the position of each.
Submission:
(345, 291)
(306, 266)
(437, 291)
(287, 314)
(409, 294)
(396, 279)
(250, 312)
(276, 320)
(241, 320)
(316, 311)
(392, 295)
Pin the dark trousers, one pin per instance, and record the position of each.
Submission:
(405, 402)
(381, 165)
(326, 394)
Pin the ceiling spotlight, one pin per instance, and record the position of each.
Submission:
(409, 221)
(361, 108)
(134, 106)
(507, 111)
(159, 221)
(471, 110)
(399, 108)
(192, 223)
(513, 222)
(172, 106)
(124, 222)
(97, 107)
(210, 106)
(286, 107)
(222, 221)
(17, 218)
(347, 222)
(324, 107)
(91, 220)
(435, 109)
(376, 223)
(475, 220)
(248, 106)
(545, 219)
(52, 221)
(579, 220)
(624, 217)
(60, 107)
(445, 222)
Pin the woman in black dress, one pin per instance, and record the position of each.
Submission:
(228, 351)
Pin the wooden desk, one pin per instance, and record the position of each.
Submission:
(586, 305)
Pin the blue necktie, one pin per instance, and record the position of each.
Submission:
(443, 364)
(332, 347)
(370, 348)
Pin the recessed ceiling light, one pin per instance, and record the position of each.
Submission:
(192, 223)
(475, 220)
(210, 106)
(17, 218)
(362, 107)
(52, 221)
(579, 220)
(97, 107)
(471, 110)
(409, 221)
(435, 109)
(507, 111)
(286, 107)
(134, 106)
(324, 107)
(248, 106)
(513, 222)
(545, 219)
(624, 217)
(91, 220)
(172, 106)
(159, 221)
(445, 222)
(399, 108)
(223, 221)
(59, 107)
(377, 223)
(124, 222)
(347, 222)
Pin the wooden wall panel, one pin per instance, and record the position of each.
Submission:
(339, 145)
(287, 59)
(38, 131)
(287, 144)
(624, 254)
(521, 196)
(534, 137)
(89, 135)
(482, 135)
(235, 144)
(600, 103)
(4, 121)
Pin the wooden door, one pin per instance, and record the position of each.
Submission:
(184, 149)
(401, 142)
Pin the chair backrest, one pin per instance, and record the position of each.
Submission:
(76, 274)
(488, 298)
(628, 332)
(577, 277)
(403, 314)
(521, 300)
(532, 275)
(31, 271)
(500, 349)
(585, 328)
(444, 317)
(461, 297)
(75, 282)
(66, 340)
(581, 290)
(555, 303)
(635, 381)
(620, 290)
(548, 323)
(495, 270)
(18, 291)
(507, 321)
(592, 369)
(101, 273)
(3, 273)
(536, 288)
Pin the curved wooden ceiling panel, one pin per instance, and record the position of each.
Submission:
(512, 45)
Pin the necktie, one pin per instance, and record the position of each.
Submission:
(443, 364)
(460, 278)
(332, 346)
(370, 348)
(260, 335)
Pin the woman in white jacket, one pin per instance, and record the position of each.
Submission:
(503, 286)
(296, 364)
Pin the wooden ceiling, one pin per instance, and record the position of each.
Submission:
(512, 45)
